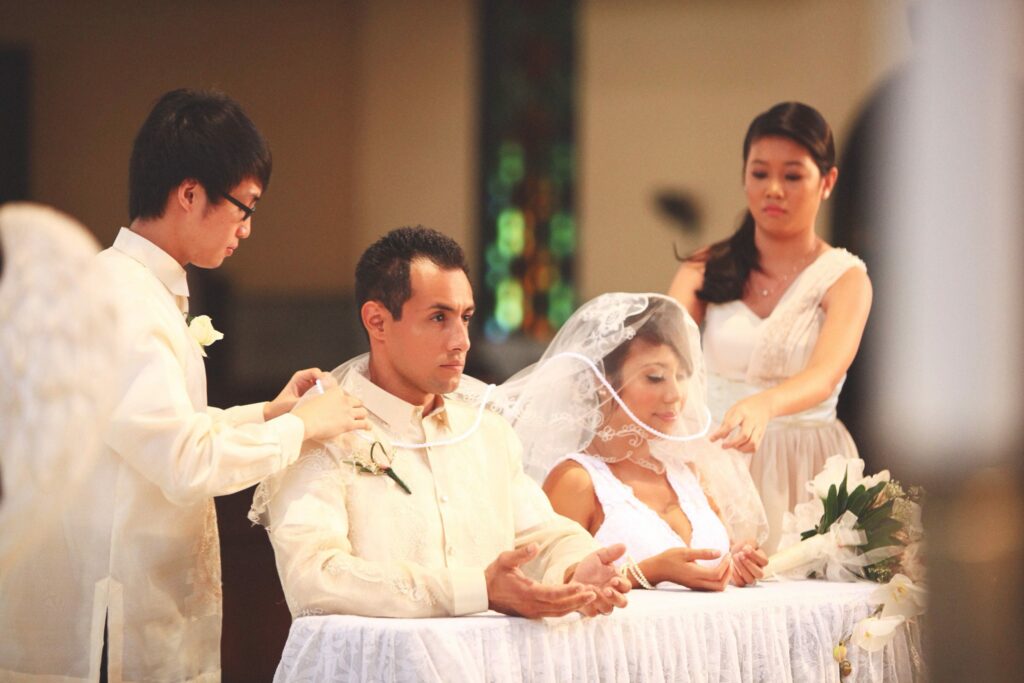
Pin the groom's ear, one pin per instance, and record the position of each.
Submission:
(373, 315)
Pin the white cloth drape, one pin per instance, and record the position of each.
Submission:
(771, 633)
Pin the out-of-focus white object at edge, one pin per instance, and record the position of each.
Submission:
(948, 384)
(58, 349)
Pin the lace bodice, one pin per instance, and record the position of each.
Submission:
(629, 520)
(746, 354)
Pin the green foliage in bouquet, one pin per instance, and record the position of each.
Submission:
(880, 514)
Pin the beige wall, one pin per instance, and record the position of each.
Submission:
(367, 106)
(414, 155)
(667, 90)
(370, 109)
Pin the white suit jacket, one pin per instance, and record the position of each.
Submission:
(350, 542)
(139, 546)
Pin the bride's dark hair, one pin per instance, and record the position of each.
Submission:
(728, 263)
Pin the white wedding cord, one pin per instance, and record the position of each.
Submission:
(579, 356)
(432, 444)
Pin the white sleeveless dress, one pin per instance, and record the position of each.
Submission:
(746, 354)
(630, 521)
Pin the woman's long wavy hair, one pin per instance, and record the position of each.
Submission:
(728, 263)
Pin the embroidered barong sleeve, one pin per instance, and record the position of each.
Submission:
(561, 541)
(190, 454)
(321, 575)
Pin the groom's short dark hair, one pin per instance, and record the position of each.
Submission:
(194, 134)
(382, 273)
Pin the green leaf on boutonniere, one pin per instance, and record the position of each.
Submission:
(398, 480)
(374, 464)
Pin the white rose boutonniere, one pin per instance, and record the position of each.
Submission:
(202, 330)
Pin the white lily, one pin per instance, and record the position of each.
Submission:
(900, 597)
(874, 633)
(873, 479)
(836, 467)
(832, 473)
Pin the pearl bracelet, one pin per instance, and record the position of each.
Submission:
(632, 567)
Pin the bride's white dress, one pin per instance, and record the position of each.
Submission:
(746, 354)
(629, 521)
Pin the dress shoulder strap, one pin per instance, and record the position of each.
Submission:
(795, 312)
(830, 266)
(811, 285)
(607, 487)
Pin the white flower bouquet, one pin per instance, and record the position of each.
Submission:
(858, 527)
(854, 527)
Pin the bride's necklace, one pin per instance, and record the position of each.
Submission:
(631, 450)
(779, 280)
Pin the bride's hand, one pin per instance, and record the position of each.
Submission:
(748, 562)
(679, 565)
(747, 421)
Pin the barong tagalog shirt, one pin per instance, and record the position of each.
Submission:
(352, 542)
(139, 545)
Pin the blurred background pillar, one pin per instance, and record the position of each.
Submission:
(947, 393)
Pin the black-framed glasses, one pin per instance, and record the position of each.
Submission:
(248, 210)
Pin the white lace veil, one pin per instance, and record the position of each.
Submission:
(563, 403)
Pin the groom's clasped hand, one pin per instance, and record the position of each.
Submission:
(593, 586)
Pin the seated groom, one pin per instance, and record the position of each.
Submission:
(459, 528)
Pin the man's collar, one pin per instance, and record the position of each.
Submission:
(163, 265)
(397, 415)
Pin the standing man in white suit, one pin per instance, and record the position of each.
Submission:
(127, 587)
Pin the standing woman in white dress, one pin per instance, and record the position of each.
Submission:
(783, 312)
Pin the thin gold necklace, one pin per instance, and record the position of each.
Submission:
(766, 292)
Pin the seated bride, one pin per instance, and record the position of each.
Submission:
(613, 420)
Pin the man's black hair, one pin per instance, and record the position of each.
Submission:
(382, 273)
(194, 134)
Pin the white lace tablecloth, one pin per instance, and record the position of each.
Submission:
(772, 632)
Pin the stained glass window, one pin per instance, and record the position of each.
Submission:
(528, 167)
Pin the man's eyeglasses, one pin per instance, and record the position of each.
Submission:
(248, 210)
